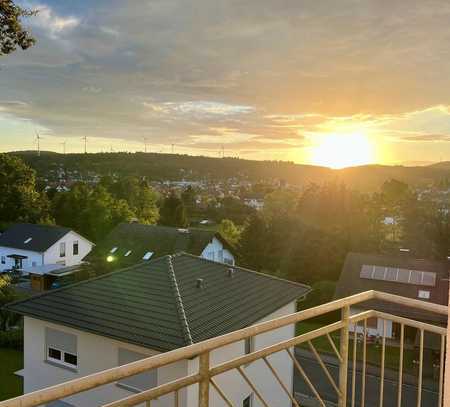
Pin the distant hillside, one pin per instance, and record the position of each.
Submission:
(176, 167)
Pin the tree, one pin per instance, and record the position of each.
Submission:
(280, 203)
(19, 200)
(12, 32)
(230, 231)
(173, 212)
(7, 295)
(253, 243)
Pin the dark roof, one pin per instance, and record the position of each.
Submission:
(42, 236)
(158, 304)
(161, 240)
(350, 282)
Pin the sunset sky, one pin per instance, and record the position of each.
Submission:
(325, 82)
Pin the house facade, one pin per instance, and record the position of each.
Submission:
(79, 335)
(24, 246)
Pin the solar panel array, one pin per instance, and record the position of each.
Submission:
(398, 275)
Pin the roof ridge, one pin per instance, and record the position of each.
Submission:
(179, 303)
(247, 270)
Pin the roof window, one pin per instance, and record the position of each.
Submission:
(147, 256)
(28, 240)
(113, 250)
(127, 253)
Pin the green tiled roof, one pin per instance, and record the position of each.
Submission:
(159, 304)
(139, 239)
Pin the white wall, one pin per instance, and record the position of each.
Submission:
(372, 331)
(232, 383)
(9, 263)
(95, 353)
(52, 256)
(216, 252)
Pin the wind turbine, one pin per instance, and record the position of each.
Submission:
(145, 143)
(85, 144)
(38, 140)
(64, 147)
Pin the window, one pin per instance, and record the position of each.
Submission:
(75, 248)
(424, 295)
(227, 260)
(33, 264)
(249, 345)
(3, 260)
(61, 348)
(221, 256)
(147, 256)
(62, 249)
(141, 381)
(248, 401)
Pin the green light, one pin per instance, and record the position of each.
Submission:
(110, 259)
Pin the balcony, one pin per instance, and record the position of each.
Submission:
(345, 376)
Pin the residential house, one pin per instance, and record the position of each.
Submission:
(25, 246)
(131, 243)
(150, 308)
(424, 280)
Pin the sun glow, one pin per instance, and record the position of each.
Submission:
(342, 150)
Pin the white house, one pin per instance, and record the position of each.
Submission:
(153, 307)
(131, 243)
(25, 245)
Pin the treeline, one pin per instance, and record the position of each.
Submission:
(306, 237)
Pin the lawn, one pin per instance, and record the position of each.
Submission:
(11, 360)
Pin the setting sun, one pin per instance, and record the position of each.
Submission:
(339, 151)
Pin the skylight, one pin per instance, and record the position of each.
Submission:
(113, 250)
(398, 275)
(127, 253)
(147, 256)
(28, 240)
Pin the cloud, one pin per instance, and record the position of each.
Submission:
(54, 24)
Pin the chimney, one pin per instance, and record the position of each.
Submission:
(200, 283)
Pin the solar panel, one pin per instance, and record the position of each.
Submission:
(398, 275)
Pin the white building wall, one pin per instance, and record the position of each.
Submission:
(232, 383)
(372, 331)
(52, 256)
(33, 257)
(216, 252)
(95, 353)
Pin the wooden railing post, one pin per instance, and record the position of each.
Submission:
(203, 385)
(343, 367)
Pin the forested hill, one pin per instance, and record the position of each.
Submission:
(176, 167)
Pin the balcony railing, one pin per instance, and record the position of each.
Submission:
(345, 337)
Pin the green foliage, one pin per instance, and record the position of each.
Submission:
(280, 203)
(173, 212)
(12, 339)
(253, 243)
(7, 295)
(19, 200)
(230, 231)
(12, 33)
(93, 212)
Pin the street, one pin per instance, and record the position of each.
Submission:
(327, 392)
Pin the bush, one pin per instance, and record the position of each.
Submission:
(12, 339)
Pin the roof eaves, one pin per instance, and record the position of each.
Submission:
(179, 303)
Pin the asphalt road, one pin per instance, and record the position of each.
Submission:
(327, 392)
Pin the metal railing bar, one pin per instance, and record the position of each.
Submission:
(363, 374)
(409, 302)
(441, 369)
(410, 322)
(156, 392)
(286, 390)
(355, 341)
(400, 366)
(306, 378)
(324, 368)
(252, 386)
(383, 354)
(259, 354)
(333, 346)
(221, 393)
(419, 384)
